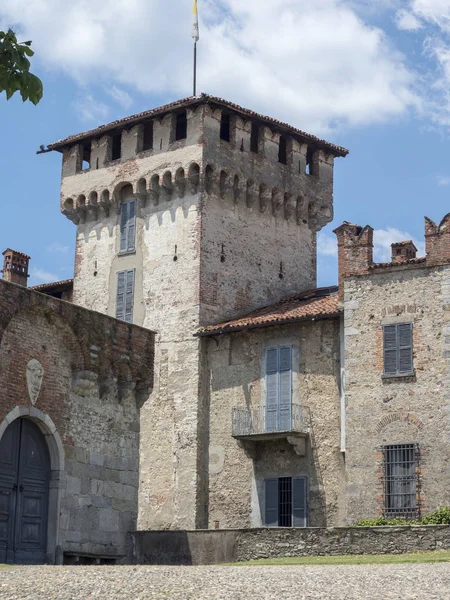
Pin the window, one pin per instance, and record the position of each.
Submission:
(125, 295)
(127, 226)
(86, 157)
(147, 142)
(282, 152)
(225, 127)
(310, 162)
(400, 480)
(181, 126)
(254, 138)
(285, 502)
(116, 151)
(278, 413)
(398, 349)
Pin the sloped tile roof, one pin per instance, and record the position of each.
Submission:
(192, 101)
(56, 284)
(319, 303)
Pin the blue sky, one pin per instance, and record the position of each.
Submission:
(371, 76)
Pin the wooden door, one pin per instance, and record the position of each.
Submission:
(24, 483)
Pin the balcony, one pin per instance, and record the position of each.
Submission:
(267, 423)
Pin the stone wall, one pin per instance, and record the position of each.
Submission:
(235, 370)
(96, 373)
(385, 410)
(212, 547)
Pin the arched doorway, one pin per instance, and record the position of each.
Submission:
(24, 492)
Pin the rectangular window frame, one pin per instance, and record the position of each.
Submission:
(398, 356)
(278, 393)
(400, 488)
(125, 295)
(286, 501)
(127, 226)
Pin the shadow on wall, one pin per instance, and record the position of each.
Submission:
(183, 547)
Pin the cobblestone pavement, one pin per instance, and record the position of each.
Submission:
(376, 582)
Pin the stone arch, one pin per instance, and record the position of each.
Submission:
(223, 183)
(399, 416)
(193, 177)
(209, 179)
(155, 189)
(167, 184)
(105, 202)
(57, 473)
(236, 189)
(264, 197)
(180, 182)
(93, 199)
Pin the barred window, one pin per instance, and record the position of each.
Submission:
(400, 480)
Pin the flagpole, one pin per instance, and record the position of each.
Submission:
(195, 67)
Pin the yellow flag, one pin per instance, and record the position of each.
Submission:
(195, 32)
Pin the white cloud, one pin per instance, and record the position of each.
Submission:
(326, 245)
(317, 64)
(42, 276)
(58, 248)
(443, 180)
(383, 238)
(120, 96)
(407, 21)
(88, 109)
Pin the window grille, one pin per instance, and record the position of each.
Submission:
(285, 502)
(400, 480)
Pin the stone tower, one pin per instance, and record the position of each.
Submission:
(187, 215)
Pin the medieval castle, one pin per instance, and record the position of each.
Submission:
(192, 375)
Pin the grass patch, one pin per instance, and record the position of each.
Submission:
(353, 559)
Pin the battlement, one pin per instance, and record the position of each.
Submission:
(199, 145)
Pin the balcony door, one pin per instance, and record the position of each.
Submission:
(278, 409)
(24, 485)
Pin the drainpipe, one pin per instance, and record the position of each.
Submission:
(342, 381)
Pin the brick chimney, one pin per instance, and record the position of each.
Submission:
(15, 267)
(437, 241)
(355, 252)
(403, 251)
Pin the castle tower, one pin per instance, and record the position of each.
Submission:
(187, 215)
(15, 267)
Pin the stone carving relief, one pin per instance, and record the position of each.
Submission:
(35, 375)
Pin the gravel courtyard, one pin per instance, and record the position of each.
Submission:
(408, 582)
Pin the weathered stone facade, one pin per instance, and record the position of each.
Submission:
(396, 409)
(94, 372)
(225, 224)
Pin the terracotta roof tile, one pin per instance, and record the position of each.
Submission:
(56, 284)
(319, 303)
(185, 102)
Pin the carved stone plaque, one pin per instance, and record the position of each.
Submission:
(35, 374)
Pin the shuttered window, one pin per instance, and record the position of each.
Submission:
(127, 226)
(398, 349)
(285, 502)
(279, 388)
(125, 295)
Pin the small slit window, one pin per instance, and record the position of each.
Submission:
(225, 127)
(254, 138)
(310, 162)
(181, 126)
(147, 142)
(116, 151)
(86, 157)
(282, 152)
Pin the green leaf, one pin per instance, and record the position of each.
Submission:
(15, 69)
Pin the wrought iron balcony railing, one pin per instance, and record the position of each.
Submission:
(266, 421)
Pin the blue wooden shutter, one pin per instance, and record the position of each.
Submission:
(390, 349)
(131, 227)
(123, 226)
(299, 501)
(129, 295)
(272, 388)
(271, 502)
(405, 349)
(120, 295)
(285, 394)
